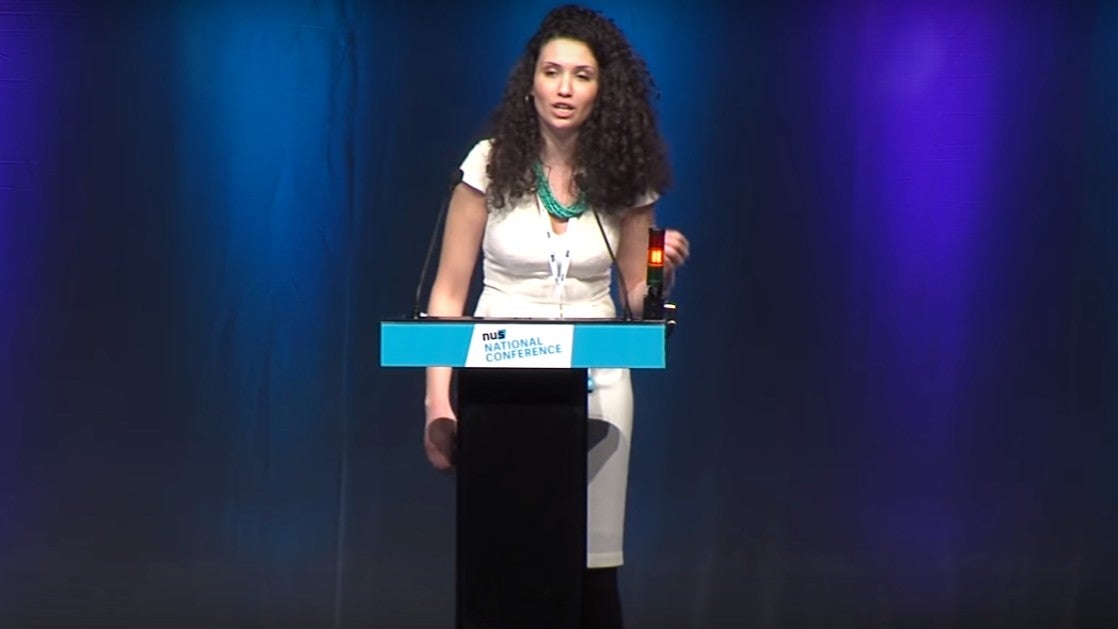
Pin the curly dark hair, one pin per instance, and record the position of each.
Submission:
(620, 154)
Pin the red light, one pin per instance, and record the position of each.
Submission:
(655, 246)
(654, 274)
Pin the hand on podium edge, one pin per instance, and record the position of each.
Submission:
(440, 441)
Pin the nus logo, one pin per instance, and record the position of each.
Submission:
(493, 336)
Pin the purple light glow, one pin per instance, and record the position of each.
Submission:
(926, 113)
(34, 43)
(34, 40)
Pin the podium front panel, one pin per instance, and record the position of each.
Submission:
(521, 509)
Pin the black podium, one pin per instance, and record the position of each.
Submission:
(521, 453)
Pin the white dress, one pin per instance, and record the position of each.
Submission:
(520, 280)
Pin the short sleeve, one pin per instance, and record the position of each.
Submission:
(474, 166)
(648, 198)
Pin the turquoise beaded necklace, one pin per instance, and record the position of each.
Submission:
(554, 207)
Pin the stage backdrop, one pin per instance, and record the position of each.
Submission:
(892, 399)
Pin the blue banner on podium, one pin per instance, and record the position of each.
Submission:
(522, 343)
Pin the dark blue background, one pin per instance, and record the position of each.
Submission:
(892, 400)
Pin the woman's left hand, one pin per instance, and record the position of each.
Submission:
(676, 249)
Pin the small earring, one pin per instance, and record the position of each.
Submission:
(527, 98)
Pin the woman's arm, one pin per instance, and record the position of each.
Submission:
(465, 225)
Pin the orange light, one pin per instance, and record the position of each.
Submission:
(655, 247)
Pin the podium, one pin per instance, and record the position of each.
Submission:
(521, 452)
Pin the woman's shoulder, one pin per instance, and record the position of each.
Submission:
(475, 165)
(481, 148)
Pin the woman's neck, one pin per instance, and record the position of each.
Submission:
(558, 150)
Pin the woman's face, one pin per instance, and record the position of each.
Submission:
(565, 86)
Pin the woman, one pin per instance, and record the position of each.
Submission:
(572, 171)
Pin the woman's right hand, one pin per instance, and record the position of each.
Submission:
(466, 217)
(440, 437)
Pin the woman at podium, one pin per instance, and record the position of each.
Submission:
(564, 187)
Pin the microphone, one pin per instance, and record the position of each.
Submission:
(626, 311)
(455, 179)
